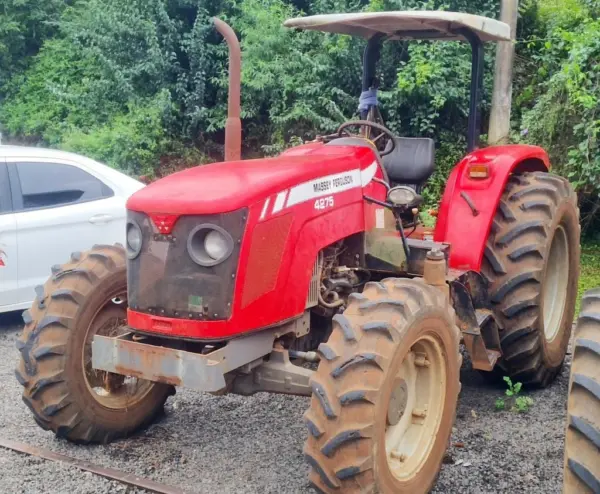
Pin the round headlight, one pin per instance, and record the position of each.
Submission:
(209, 245)
(134, 240)
(216, 245)
(402, 196)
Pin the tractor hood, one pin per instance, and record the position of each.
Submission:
(229, 186)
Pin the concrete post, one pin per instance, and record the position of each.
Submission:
(499, 131)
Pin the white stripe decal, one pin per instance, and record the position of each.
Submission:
(324, 186)
(368, 173)
(279, 202)
(265, 208)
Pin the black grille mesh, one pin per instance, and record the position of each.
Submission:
(163, 280)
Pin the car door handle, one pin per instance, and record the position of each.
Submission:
(99, 219)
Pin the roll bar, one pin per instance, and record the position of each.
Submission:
(371, 58)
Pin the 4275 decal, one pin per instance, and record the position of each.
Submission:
(324, 203)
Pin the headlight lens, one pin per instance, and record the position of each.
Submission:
(209, 245)
(402, 196)
(134, 240)
(216, 245)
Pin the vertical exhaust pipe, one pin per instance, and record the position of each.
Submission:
(233, 127)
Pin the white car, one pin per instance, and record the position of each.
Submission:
(53, 203)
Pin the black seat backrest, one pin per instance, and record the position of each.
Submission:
(412, 162)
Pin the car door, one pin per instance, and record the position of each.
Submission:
(8, 245)
(60, 208)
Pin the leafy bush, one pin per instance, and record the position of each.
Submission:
(134, 75)
(61, 90)
(24, 26)
(564, 97)
(130, 141)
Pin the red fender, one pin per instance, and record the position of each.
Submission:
(457, 224)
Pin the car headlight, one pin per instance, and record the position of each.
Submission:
(209, 245)
(134, 240)
(402, 196)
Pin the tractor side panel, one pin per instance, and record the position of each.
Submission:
(314, 236)
(469, 205)
(320, 231)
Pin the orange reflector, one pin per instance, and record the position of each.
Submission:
(479, 172)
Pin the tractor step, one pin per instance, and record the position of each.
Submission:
(481, 358)
(483, 351)
(478, 325)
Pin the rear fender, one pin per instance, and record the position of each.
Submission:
(469, 205)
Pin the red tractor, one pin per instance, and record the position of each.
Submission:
(236, 275)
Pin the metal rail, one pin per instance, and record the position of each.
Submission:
(109, 473)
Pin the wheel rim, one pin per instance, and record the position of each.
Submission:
(556, 284)
(416, 407)
(112, 391)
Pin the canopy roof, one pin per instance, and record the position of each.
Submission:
(409, 24)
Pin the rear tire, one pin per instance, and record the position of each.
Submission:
(582, 448)
(385, 393)
(87, 296)
(532, 262)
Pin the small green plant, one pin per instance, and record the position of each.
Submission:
(523, 404)
(513, 389)
(520, 404)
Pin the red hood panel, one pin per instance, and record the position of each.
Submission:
(229, 186)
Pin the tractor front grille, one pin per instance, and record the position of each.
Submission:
(163, 279)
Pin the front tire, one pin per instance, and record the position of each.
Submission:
(582, 448)
(87, 296)
(385, 393)
(532, 262)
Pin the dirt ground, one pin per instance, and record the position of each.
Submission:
(232, 444)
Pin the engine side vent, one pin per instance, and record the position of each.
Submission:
(315, 284)
(266, 252)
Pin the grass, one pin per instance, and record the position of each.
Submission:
(590, 270)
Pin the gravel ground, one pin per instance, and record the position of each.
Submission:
(234, 444)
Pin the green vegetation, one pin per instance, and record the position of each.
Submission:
(141, 84)
(590, 270)
(513, 398)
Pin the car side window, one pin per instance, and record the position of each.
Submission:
(45, 185)
(5, 195)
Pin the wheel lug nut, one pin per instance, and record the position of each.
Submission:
(396, 455)
(421, 360)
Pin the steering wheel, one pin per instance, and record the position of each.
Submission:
(383, 132)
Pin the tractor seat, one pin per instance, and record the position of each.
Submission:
(412, 162)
